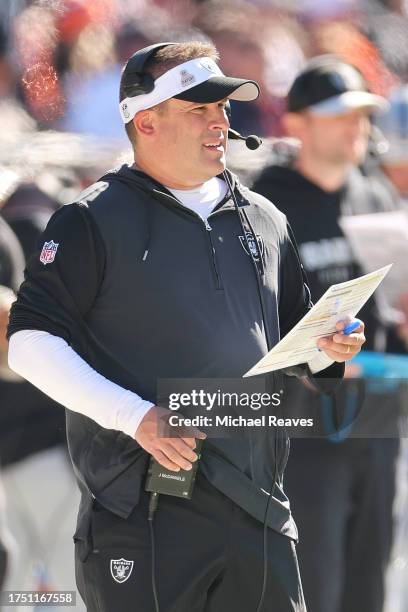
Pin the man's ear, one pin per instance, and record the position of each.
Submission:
(294, 124)
(144, 122)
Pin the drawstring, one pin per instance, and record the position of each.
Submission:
(149, 223)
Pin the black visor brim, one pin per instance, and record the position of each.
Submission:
(219, 88)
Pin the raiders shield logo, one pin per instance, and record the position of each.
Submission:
(187, 79)
(253, 245)
(121, 569)
(48, 252)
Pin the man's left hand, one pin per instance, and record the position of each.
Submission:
(340, 347)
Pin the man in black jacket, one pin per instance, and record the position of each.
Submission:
(341, 494)
(168, 269)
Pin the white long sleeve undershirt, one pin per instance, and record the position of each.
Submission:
(50, 364)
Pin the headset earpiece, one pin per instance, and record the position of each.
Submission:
(137, 82)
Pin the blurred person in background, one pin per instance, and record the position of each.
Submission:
(393, 162)
(342, 493)
(11, 257)
(27, 210)
(34, 47)
(90, 83)
(37, 483)
(386, 25)
(11, 276)
(15, 118)
(8, 549)
(7, 296)
(393, 158)
(94, 61)
(92, 52)
(40, 492)
(231, 26)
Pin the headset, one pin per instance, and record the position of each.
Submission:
(136, 82)
(252, 141)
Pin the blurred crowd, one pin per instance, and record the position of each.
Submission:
(60, 66)
(61, 59)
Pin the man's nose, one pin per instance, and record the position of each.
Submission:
(220, 120)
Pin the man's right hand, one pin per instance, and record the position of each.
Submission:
(175, 452)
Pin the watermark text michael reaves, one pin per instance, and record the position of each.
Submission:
(271, 420)
(208, 401)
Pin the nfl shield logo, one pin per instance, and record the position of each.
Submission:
(253, 245)
(125, 110)
(121, 569)
(48, 252)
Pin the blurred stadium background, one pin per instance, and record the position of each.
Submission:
(60, 63)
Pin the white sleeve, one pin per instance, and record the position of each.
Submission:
(320, 362)
(50, 364)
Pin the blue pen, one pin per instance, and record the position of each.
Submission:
(350, 328)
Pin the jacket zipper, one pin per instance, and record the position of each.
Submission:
(207, 229)
(214, 257)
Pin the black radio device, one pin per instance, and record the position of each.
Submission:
(179, 484)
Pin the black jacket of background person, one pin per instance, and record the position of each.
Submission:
(11, 258)
(29, 420)
(314, 214)
(190, 309)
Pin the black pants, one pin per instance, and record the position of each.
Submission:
(341, 498)
(208, 559)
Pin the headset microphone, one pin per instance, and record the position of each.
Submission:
(252, 141)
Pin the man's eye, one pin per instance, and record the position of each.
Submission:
(198, 108)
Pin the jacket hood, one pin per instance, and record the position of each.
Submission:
(129, 175)
(135, 178)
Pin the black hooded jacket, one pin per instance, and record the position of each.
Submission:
(143, 289)
(314, 214)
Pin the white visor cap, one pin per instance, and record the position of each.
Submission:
(198, 80)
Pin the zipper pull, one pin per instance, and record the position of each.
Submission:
(207, 225)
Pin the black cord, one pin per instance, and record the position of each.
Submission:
(268, 342)
(251, 255)
(154, 499)
(265, 527)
